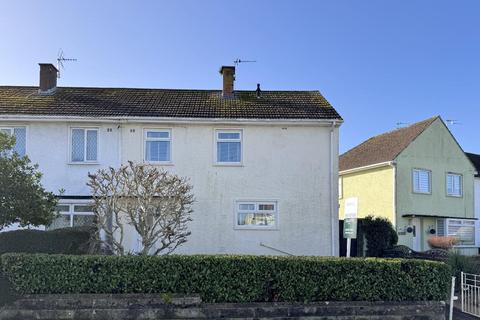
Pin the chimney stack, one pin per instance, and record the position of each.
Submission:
(228, 73)
(48, 78)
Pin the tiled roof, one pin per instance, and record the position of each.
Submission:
(475, 159)
(382, 148)
(124, 102)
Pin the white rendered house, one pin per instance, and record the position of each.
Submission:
(263, 164)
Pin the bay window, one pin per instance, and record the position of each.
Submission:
(462, 229)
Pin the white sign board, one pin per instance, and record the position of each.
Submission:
(351, 207)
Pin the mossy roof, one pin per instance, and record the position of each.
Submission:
(128, 102)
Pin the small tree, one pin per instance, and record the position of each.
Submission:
(380, 235)
(23, 199)
(157, 204)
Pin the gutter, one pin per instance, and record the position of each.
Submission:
(181, 120)
(369, 167)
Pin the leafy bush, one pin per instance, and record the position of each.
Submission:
(232, 278)
(24, 200)
(380, 235)
(63, 241)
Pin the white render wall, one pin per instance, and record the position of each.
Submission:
(286, 163)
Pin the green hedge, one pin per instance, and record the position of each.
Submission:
(60, 241)
(232, 278)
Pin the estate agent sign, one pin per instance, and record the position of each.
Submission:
(350, 222)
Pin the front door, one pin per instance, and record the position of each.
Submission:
(417, 234)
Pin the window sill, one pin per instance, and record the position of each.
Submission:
(424, 193)
(454, 196)
(228, 164)
(158, 163)
(83, 163)
(256, 228)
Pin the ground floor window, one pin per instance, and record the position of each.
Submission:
(462, 229)
(256, 214)
(72, 215)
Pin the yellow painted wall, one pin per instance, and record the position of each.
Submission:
(374, 190)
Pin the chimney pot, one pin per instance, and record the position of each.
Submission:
(228, 73)
(48, 78)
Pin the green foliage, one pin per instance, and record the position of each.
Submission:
(60, 241)
(380, 235)
(232, 278)
(23, 199)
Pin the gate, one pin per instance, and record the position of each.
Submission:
(470, 293)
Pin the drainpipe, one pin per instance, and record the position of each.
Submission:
(333, 212)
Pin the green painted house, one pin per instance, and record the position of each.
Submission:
(419, 178)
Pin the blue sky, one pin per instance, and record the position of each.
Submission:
(378, 62)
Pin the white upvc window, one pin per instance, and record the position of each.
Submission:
(454, 184)
(73, 215)
(84, 145)
(157, 145)
(228, 147)
(422, 181)
(20, 134)
(256, 215)
(462, 229)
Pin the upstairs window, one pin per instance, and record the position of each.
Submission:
(462, 229)
(157, 145)
(422, 181)
(256, 215)
(84, 145)
(20, 134)
(229, 146)
(454, 185)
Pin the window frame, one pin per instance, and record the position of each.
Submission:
(257, 203)
(70, 145)
(430, 178)
(446, 222)
(71, 211)
(144, 145)
(12, 128)
(216, 131)
(446, 185)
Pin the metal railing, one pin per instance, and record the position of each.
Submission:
(470, 293)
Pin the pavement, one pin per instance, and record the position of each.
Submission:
(459, 315)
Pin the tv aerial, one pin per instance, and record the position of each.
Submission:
(237, 61)
(402, 125)
(452, 122)
(60, 60)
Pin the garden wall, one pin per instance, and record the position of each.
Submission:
(148, 306)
